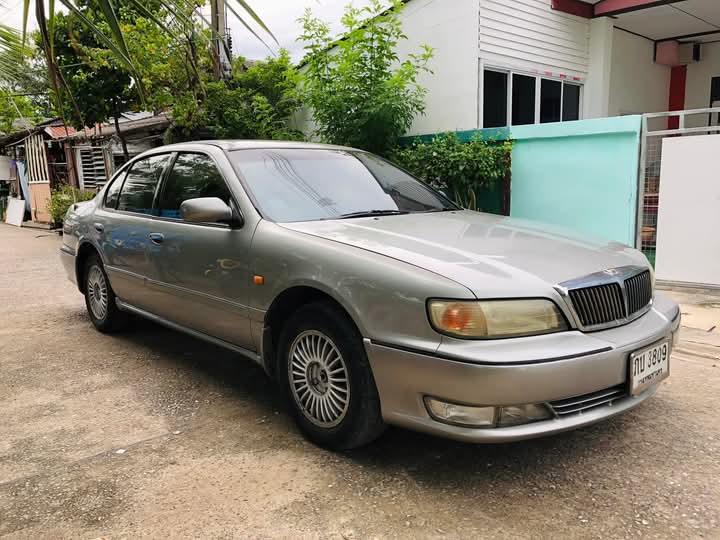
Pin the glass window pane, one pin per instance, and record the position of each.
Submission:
(523, 100)
(303, 184)
(494, 99)
(571, 102)
(138, 190)
(550, 100)
(113, 191)
(192, 176)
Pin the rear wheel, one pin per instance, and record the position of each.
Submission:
(100, 298)
(327, 378)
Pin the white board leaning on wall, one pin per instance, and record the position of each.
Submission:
(688, 230)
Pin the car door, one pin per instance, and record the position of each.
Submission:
(123, 224)
(202, 269)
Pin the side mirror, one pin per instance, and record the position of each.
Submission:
(208, 210)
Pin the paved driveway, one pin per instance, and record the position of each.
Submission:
(151, 433)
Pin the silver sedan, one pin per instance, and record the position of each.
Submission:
(370, 298)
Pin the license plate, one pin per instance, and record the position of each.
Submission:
(649, 366)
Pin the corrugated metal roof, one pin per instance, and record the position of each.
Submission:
(59, 132)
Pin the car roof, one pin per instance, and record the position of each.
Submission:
(242, 144)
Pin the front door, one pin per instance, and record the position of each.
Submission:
(201, 268)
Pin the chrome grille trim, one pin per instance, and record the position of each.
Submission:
(586, 402)
(609, 298)
(639, 291)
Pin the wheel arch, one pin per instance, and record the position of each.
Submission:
(283, 306)
(84, 251)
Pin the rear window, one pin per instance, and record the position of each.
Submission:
(138, 190)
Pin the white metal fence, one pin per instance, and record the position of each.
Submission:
(654, 130)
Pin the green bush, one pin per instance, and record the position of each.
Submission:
(460, 169)
(61, 199)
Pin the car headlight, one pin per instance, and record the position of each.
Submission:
(487, 319)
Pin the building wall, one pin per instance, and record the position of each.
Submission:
(637, 84)
(529, 35)
(452, 88)
(699, 74)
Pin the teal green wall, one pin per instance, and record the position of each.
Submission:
(581, 175)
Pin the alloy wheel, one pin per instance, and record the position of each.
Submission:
(319, 379)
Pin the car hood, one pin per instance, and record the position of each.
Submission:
(491, 255)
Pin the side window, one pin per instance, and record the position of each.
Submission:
(113, 191)
(192, 176)
(138, 190)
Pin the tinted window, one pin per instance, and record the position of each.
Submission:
(113, 191)
(571, 102)
(523, 100)
(304, 184)
(138, 190)
(192, 176)
(550, 95)
(494, 99)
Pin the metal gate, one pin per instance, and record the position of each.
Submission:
(654, 130)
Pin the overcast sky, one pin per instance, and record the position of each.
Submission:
(279, 15)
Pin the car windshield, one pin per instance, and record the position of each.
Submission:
(312, 184)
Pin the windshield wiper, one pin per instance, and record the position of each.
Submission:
(371, 213)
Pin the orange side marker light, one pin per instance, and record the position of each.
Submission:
(258, 280)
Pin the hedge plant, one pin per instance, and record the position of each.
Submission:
(62, 198)
(462, 170)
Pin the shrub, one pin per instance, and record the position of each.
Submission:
(359, 91)
(459, 169)
(61, 199)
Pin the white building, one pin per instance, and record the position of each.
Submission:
(511, 62)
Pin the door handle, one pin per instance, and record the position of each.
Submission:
(156, 237)
(99, 227)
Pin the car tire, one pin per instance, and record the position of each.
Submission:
(326, 378)
(100, 298)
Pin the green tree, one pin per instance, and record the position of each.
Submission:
(15, 107)
(95, 89)
(361, 94)
(255, 103)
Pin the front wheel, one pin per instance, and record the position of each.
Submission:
(327, 378)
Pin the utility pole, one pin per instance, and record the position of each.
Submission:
(218, 19)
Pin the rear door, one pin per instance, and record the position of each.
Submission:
(202, 269)
(124, 225)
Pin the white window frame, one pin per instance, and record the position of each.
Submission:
(538, 82)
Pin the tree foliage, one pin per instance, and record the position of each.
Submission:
(255, 103)
(15, 108)
(360, 92)
(460, 169)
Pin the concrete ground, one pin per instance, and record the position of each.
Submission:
(151, 433)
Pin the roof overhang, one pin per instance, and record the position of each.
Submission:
(656, 20)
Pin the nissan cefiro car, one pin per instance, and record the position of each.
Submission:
(369, 297)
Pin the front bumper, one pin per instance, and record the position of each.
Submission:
(505, 372)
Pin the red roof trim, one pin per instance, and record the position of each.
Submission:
(605, 8)
(573, 7)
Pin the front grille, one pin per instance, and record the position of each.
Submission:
(616, 301)
(586, 402)
(598, 305)
(639, 291)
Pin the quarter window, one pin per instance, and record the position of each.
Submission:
(192, 176)
(113, 191)
(138, 190)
